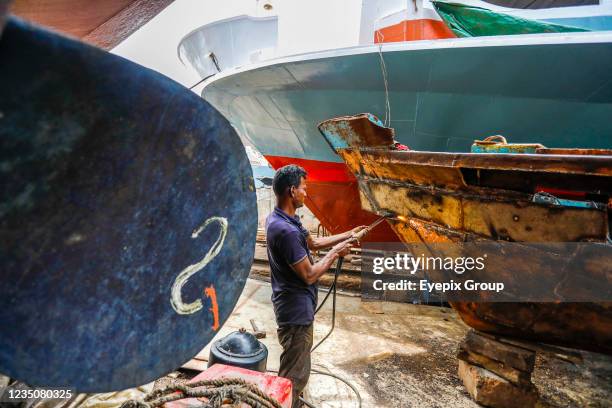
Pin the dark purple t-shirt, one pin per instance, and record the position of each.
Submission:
(294, 301)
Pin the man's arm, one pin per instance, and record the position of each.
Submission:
(310, 273)
(326, 242)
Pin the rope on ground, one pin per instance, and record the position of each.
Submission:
(218, 392)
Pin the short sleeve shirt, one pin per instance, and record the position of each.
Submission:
(294, 301)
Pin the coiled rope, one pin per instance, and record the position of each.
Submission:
(218, 392)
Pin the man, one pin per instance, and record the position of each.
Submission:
(294, 275)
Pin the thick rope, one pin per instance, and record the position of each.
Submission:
(217, 392)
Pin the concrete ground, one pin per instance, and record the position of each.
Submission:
(397, 355)
(403, 355)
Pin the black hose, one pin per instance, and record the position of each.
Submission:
(337, 377)
(308, 404)
(332, 289)
(344, 380)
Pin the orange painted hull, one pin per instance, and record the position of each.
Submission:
(413, 30)
(333, 197)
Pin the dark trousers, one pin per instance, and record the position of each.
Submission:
(295, 358)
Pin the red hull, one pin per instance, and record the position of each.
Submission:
(333, 197)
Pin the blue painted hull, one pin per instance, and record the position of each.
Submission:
(551, 89)
(127, 217)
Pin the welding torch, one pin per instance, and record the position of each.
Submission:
(359, 236)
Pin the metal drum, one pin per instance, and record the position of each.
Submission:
(127, 216)
(239, 349)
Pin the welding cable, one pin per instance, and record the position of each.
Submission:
(339, 378)
(332, 289)
(342, 379)
(308, 404)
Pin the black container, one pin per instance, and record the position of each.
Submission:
(239, 349)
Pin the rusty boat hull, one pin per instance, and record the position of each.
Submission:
(437, 198)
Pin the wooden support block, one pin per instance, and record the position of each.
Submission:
(517, 377)
(491, 390)
(571, 356)
(195, 365)
(510, 355)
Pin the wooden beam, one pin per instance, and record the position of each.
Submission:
(510, 355)
(125, 23)
(103, 23)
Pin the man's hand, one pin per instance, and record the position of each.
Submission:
(327, 242)
(357, 230)
(311, 273)
(343, 248)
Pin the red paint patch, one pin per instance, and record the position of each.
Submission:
(276, 387)
(413, 30)
(317, 170)
(211, 293)
(333, 197)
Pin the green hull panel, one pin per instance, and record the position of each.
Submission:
(469, 21)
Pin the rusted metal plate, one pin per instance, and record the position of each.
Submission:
(498, 144)
(450, 198)
(595, 152)
(127, 217)
(580, 324)
(363, 130)
(493, 217)
(564, 164)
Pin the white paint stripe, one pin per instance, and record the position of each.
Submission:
(406, 15)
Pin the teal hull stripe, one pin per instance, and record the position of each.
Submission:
(594, 23)
(559, 95)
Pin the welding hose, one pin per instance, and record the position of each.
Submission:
(332, 289)
(337, 377)
(344, 380)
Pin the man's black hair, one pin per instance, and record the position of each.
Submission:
(287, 177)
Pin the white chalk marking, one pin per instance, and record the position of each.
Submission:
(176, 299)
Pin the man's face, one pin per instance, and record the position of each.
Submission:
(299, 193)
